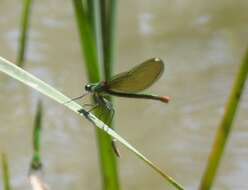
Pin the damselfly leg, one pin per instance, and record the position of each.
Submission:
(107, 105)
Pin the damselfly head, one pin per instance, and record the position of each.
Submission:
(88, 88)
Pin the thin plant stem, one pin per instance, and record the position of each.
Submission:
(109, 15)
(36, 163)
(107, 157)
(87, 42)
(5, 171)
(225, 126)
(26, 11)
(90, 35)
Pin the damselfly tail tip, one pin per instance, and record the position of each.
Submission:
(165, 99)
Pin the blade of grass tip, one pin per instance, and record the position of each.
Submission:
(28, 79)
(225, 126)
(26, 11)
(5, 171)
(89, 27)
(36, 162)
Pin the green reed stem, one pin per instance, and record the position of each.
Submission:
(225, 126)
(89, 24)
(87, 42)
(26, 11)
(108, 29)
(5, 171)
(107, 156)
(36, 163)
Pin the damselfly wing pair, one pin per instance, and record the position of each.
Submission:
(128, 84)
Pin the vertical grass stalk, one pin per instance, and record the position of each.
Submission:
(108, 158)
(225, 126)
(108, 29)
(87, 42)
(36, 163)
(89, 24)
(35, 177)
(26, 11)
(5, 171)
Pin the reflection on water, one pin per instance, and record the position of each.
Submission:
(201, 42)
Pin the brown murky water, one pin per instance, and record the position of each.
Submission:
(201, 42)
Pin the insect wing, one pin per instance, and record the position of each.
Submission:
(138, 78)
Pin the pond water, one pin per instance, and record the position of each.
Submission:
(201, 43)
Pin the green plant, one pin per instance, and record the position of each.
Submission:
(96, 29)
(24, 26)
(5, 171)
(225, 126)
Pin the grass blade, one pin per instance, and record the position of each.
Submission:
(89, 22)
(35, 173)
(5, 170)
(225, 126)
(24, 32)
(87, 42)
(36, 162)
(28, 79)
(108, 30)
(104, 37)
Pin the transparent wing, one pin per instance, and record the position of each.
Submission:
(138, 78)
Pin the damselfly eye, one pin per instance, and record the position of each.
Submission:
(87, 87)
